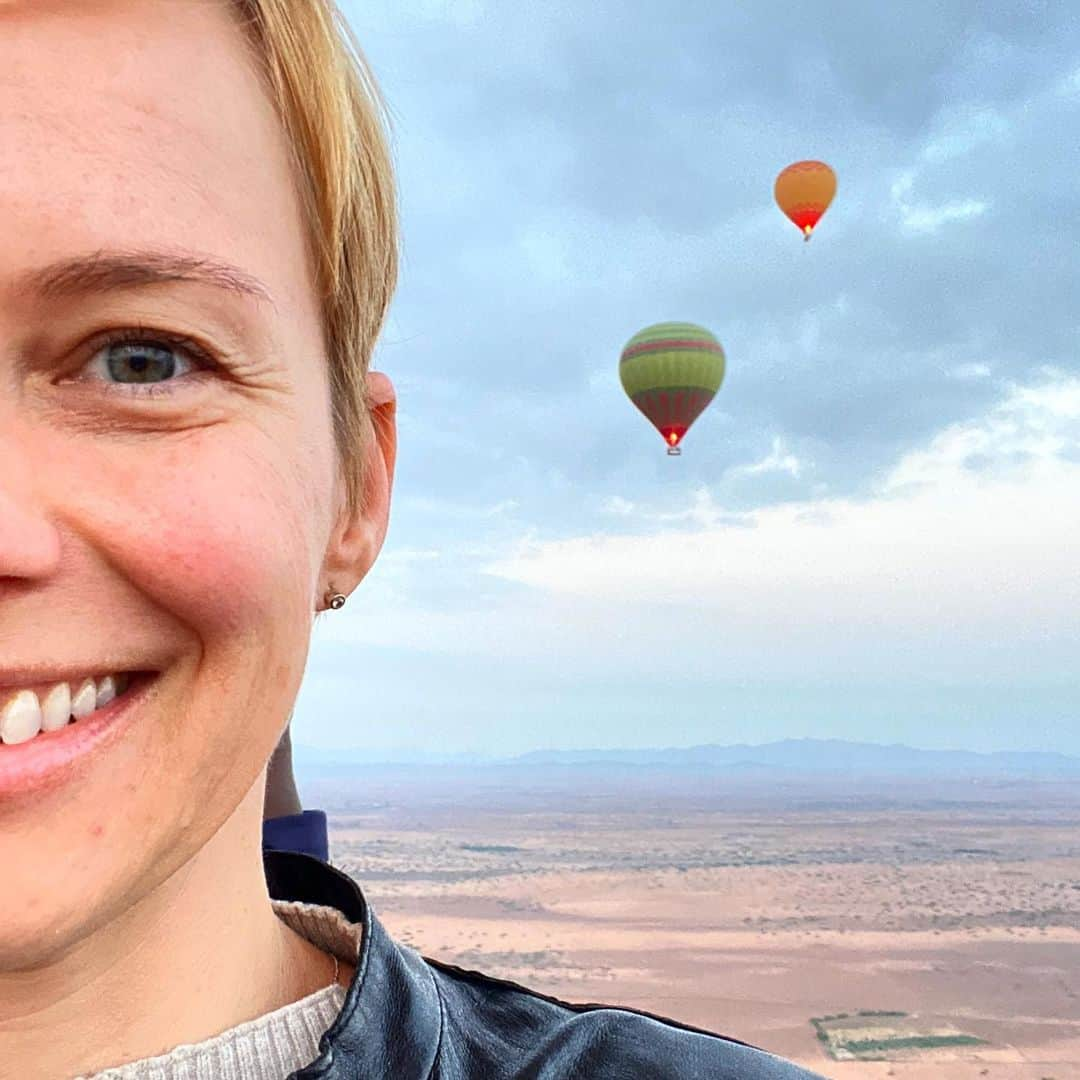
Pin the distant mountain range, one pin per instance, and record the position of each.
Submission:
(817, 756)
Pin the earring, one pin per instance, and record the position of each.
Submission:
(334, 599)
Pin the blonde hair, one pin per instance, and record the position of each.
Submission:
(335, 121)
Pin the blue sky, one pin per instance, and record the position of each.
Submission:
(873, 531)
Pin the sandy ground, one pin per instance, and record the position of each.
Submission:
(750, 923)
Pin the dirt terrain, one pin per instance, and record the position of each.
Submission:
(750, 913)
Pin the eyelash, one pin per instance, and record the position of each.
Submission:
(141, 335)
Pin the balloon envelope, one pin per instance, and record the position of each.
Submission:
(671, 371)
(803, 191)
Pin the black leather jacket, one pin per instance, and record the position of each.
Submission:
(409, 1018)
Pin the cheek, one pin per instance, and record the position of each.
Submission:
(218, 532)
(208, 545)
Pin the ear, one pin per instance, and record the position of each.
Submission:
(356, 542)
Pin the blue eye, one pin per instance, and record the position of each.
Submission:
(146, 362)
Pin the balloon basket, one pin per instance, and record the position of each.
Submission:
(673, 451)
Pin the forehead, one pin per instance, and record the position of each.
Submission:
(142, 123)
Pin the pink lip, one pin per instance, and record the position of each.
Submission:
(51, 758)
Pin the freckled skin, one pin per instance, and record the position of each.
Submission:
(200, 530)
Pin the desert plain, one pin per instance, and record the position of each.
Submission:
(744, 904)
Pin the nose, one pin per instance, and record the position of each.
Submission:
(29, 541)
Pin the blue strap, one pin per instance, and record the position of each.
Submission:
(304, 832)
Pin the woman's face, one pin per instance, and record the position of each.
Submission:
(191, 532)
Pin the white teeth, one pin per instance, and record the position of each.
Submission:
(85, 700)
(106, 691)
(20, 719)
(23, 715)
(56, 708)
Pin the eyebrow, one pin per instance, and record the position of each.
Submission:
(108, 271)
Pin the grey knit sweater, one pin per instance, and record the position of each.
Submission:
(275, 1045)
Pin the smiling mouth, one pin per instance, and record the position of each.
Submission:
(28, 716)
(45, 762)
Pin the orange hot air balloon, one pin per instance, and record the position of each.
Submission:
(803, 191)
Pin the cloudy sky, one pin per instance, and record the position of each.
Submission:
(874, 531)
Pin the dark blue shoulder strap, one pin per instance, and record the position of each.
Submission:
(304, 832)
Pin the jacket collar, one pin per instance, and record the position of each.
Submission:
(391, 1022)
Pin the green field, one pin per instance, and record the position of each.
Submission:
(880, 1034)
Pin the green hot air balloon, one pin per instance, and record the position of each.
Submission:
(671, 371)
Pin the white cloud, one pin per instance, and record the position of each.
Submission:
(925, 217)
(779, 459)
(968, 543)
(962, 131)
(502, 507)
(928, 219)
(702, 511)
(962, 564)
(921, 217)
(902, 185)
(1029, 439)
(618, 505)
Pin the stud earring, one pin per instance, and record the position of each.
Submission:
(334, 599)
